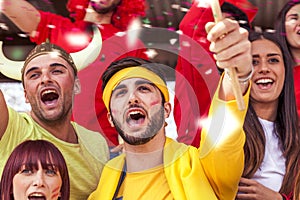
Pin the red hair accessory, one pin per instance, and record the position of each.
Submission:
(127, 11)
(248, 8)
(77, 8)
(124, 14)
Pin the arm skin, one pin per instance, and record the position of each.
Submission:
(222, 138)
(251, 189)
(4, 115)
(233, 50)
(18, 10)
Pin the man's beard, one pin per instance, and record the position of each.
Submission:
(156, 122)
(103, 10)
(59, 118)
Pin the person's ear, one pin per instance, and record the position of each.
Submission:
(109, 117)
(77, 86)
(25, 95)
(168, 109)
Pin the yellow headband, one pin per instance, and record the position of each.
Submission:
(133, 72)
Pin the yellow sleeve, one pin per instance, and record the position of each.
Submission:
(184, 173)
(221, 147)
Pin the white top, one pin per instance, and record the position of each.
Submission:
(272, 169)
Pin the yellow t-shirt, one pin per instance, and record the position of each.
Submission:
(85, 160)
(149, 184)
(211, 172)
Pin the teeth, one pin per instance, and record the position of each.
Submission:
(36, 195)
(135, 112)
(48, 91)
(266, 80)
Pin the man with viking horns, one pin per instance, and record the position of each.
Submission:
(50, 82)
(111, 17)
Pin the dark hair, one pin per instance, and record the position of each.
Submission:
(31, 152)
(297, 186)
(280, 24)
(132, 62)
(237, 14)
(285, 125)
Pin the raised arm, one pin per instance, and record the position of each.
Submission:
(222, 137)
(22, 14)
(4, 115)
(231, 48)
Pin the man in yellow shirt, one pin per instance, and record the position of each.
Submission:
(49, 78)
(156, 167)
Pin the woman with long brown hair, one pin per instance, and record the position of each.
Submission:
(272, 137)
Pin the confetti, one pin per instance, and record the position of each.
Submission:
(78, 39)
(173, 41)
(203, 3)
(186, 44)
(151, 53)
(51, 26)
(134, 30)
(4, 27)
(175, 6)
(209, 71)
(22, 35)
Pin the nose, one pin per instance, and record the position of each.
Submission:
(133, 99)
(45, 78)
(38, 179)
(263, 68)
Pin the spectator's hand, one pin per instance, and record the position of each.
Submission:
(252, 190)
(232, 49)
(230, 45)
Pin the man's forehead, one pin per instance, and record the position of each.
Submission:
(48, 57)
(47, 60)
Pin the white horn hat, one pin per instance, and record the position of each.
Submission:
(82, 59)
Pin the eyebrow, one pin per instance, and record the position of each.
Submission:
(268, 55)
(292, 15)
(51, 65)
(120, 86)
(138, 82)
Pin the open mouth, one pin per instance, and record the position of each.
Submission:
(49, 96)
(36, 196)
(264, 83)
(135, 117)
